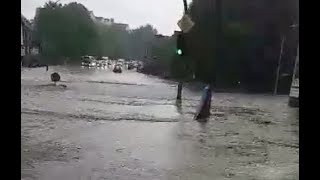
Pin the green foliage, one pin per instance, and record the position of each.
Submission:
(250, 46)
(64, 31)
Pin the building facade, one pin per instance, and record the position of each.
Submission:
(108, 22)
(22, 47)
(26, 38)
(26, 32)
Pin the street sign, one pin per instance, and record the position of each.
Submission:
(185, 23)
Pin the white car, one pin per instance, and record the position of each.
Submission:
(87, 60)
(94, 63)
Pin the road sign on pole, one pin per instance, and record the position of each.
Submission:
(185, 23)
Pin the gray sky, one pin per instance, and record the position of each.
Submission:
(162, 14)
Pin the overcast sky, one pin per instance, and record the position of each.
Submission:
(162, 14)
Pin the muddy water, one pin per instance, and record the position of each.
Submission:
(128, 126)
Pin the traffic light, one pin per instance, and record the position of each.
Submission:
(179, 52)
(181, 48)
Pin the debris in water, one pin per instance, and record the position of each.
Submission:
(229, 147)
(76, 157)
(63, 85)
(119, 149)
(218, 114)
(55, 77)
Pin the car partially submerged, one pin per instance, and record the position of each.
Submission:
(131, 66)
(117, 69)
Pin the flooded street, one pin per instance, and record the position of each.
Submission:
(128, 126)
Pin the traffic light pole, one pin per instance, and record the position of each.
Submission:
(185, 5)
(275, 91)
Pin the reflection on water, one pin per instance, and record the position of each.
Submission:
(179, 106)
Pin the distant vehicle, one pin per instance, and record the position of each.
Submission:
(99, 63)
(104, 62)
(93, 63)
(131, 66)
(117, 69)
(140, 66)
(109, 63)
(120, 61)
(87, 60)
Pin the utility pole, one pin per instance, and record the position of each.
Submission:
(295, 64)
(297, 56)
(217, 39)
(185, 5)
(278, 68)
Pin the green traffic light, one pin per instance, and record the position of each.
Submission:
(179, 51)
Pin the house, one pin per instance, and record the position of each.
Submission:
(22, 47)
(108, 22)
(26, 32)
(121, 26)
(26, 37)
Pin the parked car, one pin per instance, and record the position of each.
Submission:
(120, 61)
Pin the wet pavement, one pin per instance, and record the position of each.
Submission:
(128, 126)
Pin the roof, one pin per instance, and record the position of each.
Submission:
(25, 22)
(161, 36)
(121, 25)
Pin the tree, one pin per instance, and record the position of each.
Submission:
(252, 32)
(64, 31)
